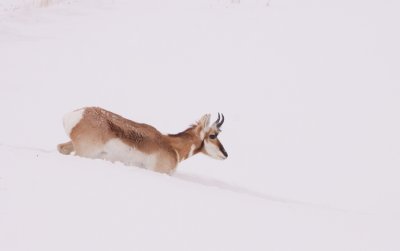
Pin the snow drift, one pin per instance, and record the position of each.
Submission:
(310, 95)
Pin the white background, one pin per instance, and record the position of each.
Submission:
(310, 92)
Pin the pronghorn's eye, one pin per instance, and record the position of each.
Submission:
(213, 136)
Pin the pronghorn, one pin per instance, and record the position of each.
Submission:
(100, 134)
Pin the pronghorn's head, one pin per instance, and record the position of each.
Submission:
(211, 145)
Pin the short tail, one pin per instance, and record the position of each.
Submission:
(66, 148)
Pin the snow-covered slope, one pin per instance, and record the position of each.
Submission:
(310, 94)
(27, 5)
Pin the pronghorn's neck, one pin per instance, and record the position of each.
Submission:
(186, 143)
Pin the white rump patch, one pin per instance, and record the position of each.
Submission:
(71, 119)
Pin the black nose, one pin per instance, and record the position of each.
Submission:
(222, 149)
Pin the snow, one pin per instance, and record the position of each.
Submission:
(309, 90)
(27, 5)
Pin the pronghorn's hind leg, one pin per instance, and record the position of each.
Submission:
(66, 148)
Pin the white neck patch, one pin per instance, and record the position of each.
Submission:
(177, 156)
(192, 148)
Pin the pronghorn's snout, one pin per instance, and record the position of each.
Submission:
(222, 149)
(214, 149)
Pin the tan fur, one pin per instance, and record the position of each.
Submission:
(44, 3)
(66, 148)
(97, 126)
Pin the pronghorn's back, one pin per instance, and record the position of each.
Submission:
(97, 133)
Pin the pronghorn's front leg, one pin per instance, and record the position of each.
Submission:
(166, 163)
(165, 169)
(66, 148)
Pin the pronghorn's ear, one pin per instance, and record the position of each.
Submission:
(205, 121)
(204, 124)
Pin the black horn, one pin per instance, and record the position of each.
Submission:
(219, 123)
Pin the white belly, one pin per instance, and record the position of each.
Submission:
(117, 150)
